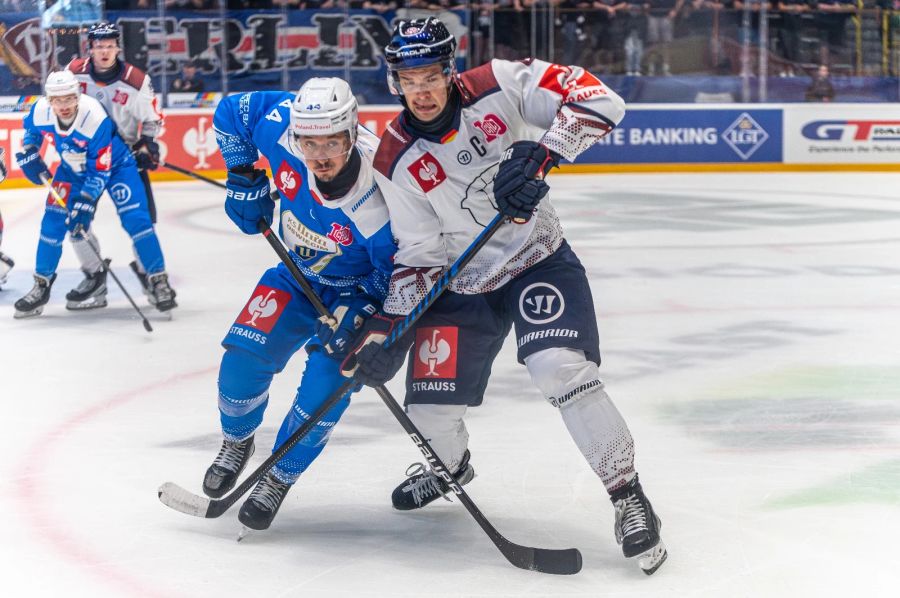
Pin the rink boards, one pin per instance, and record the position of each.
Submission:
(652, 137)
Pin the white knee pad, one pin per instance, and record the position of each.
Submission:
(572, 383)
(563, 375)
(88, 258)
(444, 429)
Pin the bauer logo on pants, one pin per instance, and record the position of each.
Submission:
(541, 303)
(264, 308)
(435, 352)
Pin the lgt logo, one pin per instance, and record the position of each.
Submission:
(745, 136)
(541, 303)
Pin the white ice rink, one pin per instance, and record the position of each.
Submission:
(749, 328)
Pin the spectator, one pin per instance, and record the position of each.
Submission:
(792, 12)
(821, 89)
(660, 28)
(633, 13)
(831, 21)
(188, 81)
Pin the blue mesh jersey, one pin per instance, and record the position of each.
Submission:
(343, 242)
(89, 149)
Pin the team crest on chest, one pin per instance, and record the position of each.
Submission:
(428, 172)
(491, 126)
(288, 181)
(342, 235)
(120, 98)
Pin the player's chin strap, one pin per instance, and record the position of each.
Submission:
(561, 562)
(104, 264)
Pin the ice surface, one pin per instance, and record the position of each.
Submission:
(749, 329)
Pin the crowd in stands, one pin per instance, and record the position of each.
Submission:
(648, 37)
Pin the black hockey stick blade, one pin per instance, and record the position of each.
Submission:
(565, 561)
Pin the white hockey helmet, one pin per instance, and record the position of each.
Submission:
(62, 83)
(324, 106)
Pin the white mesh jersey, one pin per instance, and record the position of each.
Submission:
(439, 192)
(129, 99)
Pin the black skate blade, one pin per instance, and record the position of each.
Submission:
(175, 497)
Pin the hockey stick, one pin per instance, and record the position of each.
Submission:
(104, 265)
(191, 173)
(561, 562)
(544, 560)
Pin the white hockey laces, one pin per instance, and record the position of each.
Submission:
(230, 456)
(630, 517)
(427, 484)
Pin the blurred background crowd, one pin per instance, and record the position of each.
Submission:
(814, 40)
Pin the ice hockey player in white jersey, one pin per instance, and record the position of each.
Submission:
(126, 94)
(465, 147)
(6, 262)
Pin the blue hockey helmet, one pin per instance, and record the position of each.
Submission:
(416, 43)
(102, 30)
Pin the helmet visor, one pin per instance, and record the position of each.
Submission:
(413, 80)
(322, 147)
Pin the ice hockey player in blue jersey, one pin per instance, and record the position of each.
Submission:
(93, 159)
(335, 223)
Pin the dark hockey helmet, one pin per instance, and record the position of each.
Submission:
(102, 30)
(416, 43)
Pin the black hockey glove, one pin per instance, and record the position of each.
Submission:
(146, 153)
(519, 184)
(370, 362)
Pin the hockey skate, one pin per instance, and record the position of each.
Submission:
(6, 264)
(32, 304)
(91, 292)
(229, 463)
(423, 487)
(260, 508)
(637, 527)
(163, 295)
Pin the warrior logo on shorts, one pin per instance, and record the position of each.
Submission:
(541, 303)
(435, 352)
(264, 308)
